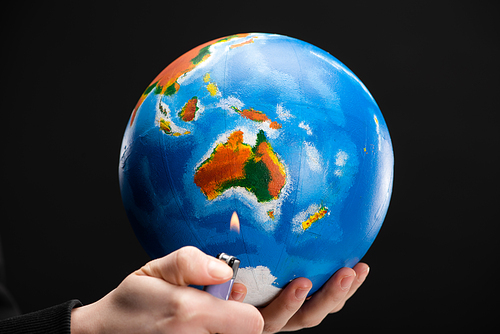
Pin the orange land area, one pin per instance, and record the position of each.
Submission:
(250, 41)
(276, 169)
(233, 164)
(257, 116)
(167, 79)
(226, 163)
(188, 112)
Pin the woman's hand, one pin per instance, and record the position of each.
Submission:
(291, 311)
(157, 299)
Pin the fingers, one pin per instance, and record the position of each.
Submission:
(188, 265)
(277, 314)
(237, 318)
(330, 298)
(362, 270)
(238, 293)
(289, 312)
(194, 311)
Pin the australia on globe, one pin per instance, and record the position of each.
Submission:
(235, 164)
(275, 129)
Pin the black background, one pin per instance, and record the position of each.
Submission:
(71, 74)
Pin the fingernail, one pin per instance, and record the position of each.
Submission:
(346, 282)
(237, 295)
(301, 293)
(219, 270)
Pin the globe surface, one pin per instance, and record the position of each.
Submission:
(275, 129)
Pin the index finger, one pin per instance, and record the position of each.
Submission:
(279, 312)
(328, 297)
(186, 266)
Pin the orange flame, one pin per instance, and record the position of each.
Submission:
(234, 225)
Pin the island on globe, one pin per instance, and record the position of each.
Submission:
(275, 129)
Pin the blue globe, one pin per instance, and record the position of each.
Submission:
(272, 128)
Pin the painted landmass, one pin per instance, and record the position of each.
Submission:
(188, 112)
(211, 86)
(166, 82)
(236, 164)
(166, 127)
(249, 41)
(165, 123)
(257, 116)
(322, 211)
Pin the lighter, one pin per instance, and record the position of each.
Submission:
(222, 291)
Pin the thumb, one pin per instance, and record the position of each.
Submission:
(186, 266)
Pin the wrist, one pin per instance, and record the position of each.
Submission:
(82, 322)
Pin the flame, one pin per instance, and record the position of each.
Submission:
(234, 225)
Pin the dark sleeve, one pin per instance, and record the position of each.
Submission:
(8, 306)
(54, 320)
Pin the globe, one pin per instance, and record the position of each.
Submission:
(274, 129)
